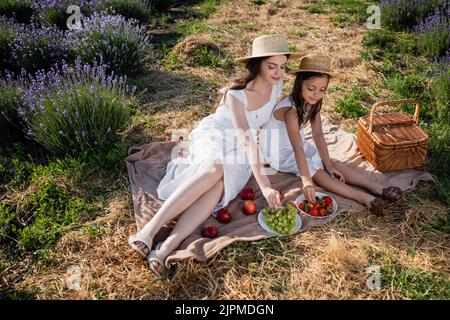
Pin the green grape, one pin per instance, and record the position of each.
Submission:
(281, 220)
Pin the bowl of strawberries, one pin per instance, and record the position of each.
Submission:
(324, 207)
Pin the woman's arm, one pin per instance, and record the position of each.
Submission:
(319, 140)
(245, 137)
(293, 130)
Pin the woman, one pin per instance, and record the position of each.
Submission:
(223, 153)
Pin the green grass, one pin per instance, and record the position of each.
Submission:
(208, 7)
(341, 21)
(410, 283)
(387, 45)
(351, 105)
(52, 203)
(52, 196)
(207, 57)
(300, 34)
(316, 9)
(357, 9)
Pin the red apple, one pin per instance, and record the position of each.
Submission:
(247, 194)
(210, 231)
(249, 207)
(223, 215)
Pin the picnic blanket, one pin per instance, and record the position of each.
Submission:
(146, 166)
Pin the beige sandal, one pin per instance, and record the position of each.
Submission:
(154, 257)
(145, 240)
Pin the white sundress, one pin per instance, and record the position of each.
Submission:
(277, 149)
(214, 140)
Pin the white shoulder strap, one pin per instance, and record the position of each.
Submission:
(238, 94)
(285, 102)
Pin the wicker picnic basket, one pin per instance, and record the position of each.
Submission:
(392, 141)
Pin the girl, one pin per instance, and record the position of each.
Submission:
(217, 167)
(298, 156)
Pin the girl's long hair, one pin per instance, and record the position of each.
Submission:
(253, 67)
(297, 98)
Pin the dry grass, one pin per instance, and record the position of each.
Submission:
(327, 262)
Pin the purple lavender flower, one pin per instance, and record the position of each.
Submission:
(440, 20)
(47, 104)
(114, 40)
(36, 48)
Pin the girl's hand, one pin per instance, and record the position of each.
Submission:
(272, 196)
(309, 191)
(335, 173)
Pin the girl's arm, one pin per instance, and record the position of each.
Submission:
(293, 130)
(319, 140)
(245, 137)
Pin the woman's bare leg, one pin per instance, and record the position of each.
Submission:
(194, 216)
(352, 176)
(182, 198)
(334, 185)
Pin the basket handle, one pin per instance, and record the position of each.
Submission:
(392, 102)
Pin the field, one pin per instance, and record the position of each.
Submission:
(62, 207)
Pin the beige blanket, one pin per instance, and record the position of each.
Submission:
(146, 166)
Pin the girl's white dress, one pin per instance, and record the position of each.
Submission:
(214, 140)
(277, 149)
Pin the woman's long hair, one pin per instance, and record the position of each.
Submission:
(297, 98)
(253, 67)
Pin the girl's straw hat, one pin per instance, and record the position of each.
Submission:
(314, 63)
(269, 45)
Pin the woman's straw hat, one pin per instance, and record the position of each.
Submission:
(269, 45)
(314, 63)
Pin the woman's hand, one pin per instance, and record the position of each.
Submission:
(272, 196)
(335, 173)
(309, 191)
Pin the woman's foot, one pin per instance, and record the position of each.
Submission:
(140, 244)
(156, 261)
(392, 194)
(377, 206)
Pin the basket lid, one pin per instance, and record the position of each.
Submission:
(400, 135)
(390, 119)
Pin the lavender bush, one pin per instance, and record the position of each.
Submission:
(54, 12)
(405, 14)
(35, 48)
(434, 33)
(10, 97)
(120, 43)
(130, 9)
(20, 10)
(72, 109)
(7, 34)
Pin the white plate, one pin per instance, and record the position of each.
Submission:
(262, 223)
(320, 195)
